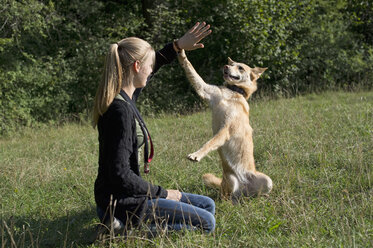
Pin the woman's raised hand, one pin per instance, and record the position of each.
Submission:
(190, 39)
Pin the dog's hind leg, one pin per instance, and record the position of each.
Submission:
(230, 186)
(258, 184)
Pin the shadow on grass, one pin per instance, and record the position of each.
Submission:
(78, 228)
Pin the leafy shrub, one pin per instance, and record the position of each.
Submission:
(51, 52)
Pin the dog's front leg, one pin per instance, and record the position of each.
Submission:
(217, 141)
(205, 91)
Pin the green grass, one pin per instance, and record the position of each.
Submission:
(318, 150)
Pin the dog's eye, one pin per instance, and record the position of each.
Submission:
(240, 68)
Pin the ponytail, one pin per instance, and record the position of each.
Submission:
(110, 85)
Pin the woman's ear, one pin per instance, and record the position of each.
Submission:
(136, 66)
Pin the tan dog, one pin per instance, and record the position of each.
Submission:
(231, 129)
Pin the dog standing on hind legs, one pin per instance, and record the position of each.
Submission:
(231, 129)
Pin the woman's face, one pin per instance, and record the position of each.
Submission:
(144, 70)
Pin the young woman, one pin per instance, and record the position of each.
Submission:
(120, 191)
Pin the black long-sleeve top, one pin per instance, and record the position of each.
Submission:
(118, 171)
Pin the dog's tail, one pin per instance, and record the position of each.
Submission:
(211, 180)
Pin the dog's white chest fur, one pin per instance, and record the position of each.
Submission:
(227, 106)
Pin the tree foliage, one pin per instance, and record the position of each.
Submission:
(51, 52)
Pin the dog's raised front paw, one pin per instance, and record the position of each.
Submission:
(181, 56)
(194, 157)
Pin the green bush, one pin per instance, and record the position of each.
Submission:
(51, 52)
(33, 93)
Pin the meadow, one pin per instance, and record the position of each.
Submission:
(318, 150)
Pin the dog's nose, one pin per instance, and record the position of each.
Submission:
(225, 67)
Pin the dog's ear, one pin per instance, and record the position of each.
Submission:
(259, 71)
(230, 61)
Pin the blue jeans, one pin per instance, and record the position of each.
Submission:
(191, 212)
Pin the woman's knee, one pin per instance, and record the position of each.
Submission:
(210, 222)
(210, 205)
(199, 201)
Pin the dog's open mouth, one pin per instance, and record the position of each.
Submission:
(227, 75)
(234, 77)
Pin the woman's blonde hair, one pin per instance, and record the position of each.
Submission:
(117, 71)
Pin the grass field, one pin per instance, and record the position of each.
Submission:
(318, 150)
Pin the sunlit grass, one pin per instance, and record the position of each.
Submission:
(318, 149)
